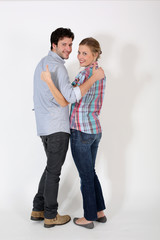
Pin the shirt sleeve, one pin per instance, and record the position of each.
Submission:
(79, 79)
(71, 94)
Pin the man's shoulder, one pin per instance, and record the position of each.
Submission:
(53, 63)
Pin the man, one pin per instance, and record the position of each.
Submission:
(53, 124)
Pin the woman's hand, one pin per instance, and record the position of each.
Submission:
(46, 75)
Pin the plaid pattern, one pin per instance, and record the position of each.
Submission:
(84, 114)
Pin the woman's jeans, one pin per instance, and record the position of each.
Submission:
(84, 150)
(56, 146)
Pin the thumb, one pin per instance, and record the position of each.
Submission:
(94, 66)
(47, 69)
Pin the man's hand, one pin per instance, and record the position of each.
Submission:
(46, 75)
(98, 73)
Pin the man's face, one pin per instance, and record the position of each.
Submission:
(63, 48)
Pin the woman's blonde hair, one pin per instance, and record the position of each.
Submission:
(93, 44)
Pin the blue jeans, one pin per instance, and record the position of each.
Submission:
(84, 150)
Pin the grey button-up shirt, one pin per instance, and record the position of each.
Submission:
(50, 116)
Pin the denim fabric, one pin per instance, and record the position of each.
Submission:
(84, 150)
(56, 146)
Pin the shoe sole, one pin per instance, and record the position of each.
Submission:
(37, 218)
(52, 225)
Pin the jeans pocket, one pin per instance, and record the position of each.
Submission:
(87, 138)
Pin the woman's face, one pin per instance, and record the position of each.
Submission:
(85, 56)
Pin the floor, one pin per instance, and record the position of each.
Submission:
(127, 224)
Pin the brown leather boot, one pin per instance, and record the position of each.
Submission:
(58, 220)
(37, 215)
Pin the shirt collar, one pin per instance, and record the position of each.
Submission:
(56, 56)
(91, 66)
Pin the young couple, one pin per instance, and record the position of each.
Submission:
(55, 127)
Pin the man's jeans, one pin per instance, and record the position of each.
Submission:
(84, 150)
(56, 146)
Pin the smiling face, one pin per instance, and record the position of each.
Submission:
(63, 48)
(85, 56)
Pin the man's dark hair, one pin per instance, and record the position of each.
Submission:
(59, 34)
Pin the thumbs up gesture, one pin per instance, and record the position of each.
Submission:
(46, 75)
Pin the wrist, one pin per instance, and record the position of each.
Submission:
(49, 80)
(94, 78)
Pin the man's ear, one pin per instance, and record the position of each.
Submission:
(54, 46)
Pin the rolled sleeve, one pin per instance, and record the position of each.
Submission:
(68, 91)
(77, 93)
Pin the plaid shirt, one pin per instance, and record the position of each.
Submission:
(84, 114)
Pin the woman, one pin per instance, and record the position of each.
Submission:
(86, 133)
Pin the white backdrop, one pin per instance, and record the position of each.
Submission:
(128, 160)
